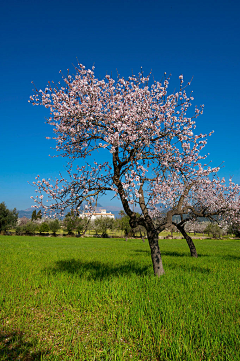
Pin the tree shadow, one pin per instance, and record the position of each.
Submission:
(175, 254)
(147, 252)
(189, 268)
(95, 270)
(13, 347)
(171, 254)
(182, 254)
(230, 257)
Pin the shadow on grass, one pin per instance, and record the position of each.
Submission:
(181, 254)
(167, 253)
(189, 268)
(97, 270)
(13, 347)
(175, 254)
(230, 257)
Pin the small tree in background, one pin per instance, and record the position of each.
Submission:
(142, 231)
(70, 222)
(43, 227)
(124, 226)
(54, 226)
(21, 225)
(39, 214)
(121, 213)
(196, 227)
(82, 225)
(34, 215)
(8, 219)
(28, 228)
(214, 230)
(19, 230)
(31, 228)
(22, 221)
(102, 224)
(234, 228)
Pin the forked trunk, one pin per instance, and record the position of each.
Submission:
(189, 240)
(155, 253)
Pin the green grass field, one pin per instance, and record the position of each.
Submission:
(97, 299)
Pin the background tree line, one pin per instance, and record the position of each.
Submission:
(72, 224)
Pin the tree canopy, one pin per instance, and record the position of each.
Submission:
(8, 218)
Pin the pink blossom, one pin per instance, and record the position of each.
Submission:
(153, 155)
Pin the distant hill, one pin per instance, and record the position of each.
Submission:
(25, 213)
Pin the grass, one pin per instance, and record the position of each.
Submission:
(97, 299)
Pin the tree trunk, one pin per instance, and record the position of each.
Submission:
(189, 240)
(155, 253)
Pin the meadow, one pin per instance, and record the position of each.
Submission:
(97, 299)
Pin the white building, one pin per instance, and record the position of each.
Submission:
(95, 215)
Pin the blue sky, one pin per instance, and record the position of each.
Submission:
(198, 39)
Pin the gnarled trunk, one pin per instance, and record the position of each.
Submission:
(189, 240)
(155, 253)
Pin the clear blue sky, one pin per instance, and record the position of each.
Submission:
(39, 38)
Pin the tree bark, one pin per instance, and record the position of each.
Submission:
(155, 253)
(189, 240)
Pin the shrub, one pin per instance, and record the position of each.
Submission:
(28, 228)
(214, 230)
(19, 230)
(54, 226)
(234, 228)
(44, 227)
(102, 224)
(8, 218)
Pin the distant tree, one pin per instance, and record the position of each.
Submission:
(8, 218)
(70, 222)
(214, 230)
(43, 227)
(34, 215)
(31, 228)
(19, 230)
(28, 227)
(81, 225)
(121, 213)
(234, 228)
(102, 224)
(142, 231)
(22, 221)
(39, 214)
(123, 224)
(196, 227)
(54, 226)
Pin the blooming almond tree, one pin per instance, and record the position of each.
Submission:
(144, 134)
(203, 195)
